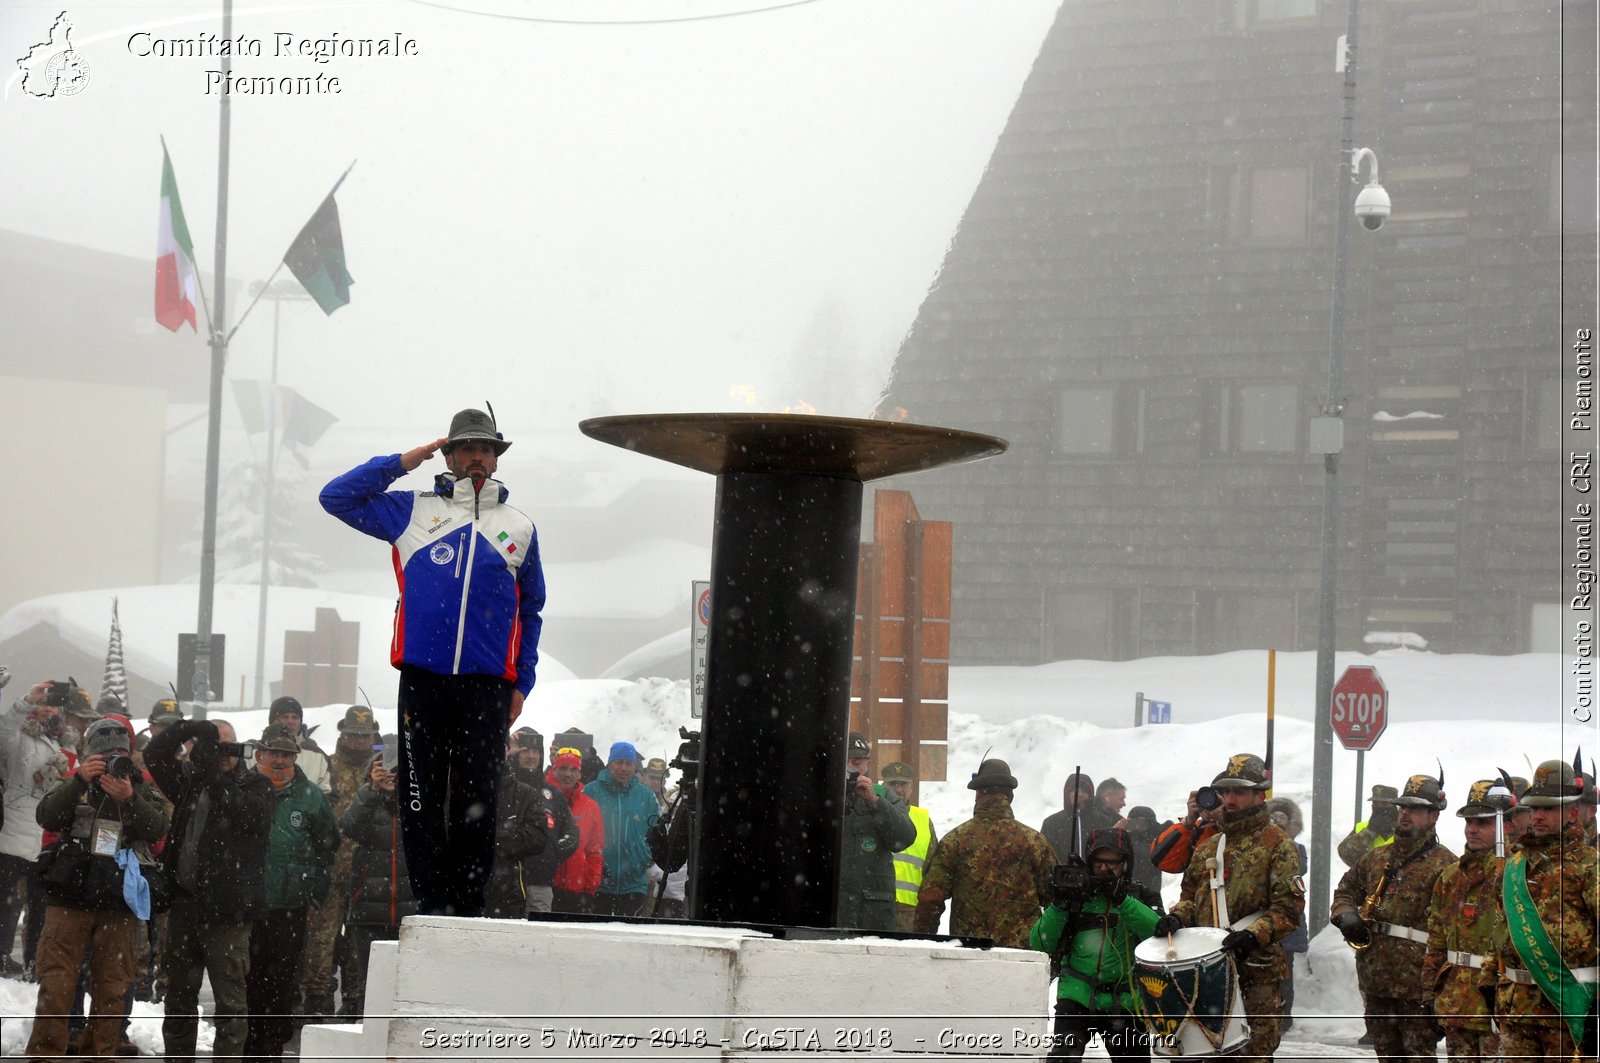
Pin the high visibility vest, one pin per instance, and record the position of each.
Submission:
(912, 861)
(1380, 840)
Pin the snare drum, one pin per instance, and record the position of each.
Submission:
(1190, 1002)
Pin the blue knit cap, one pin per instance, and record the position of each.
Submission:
(622, 751)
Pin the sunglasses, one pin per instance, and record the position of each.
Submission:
(565, 750)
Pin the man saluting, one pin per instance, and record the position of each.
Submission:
(466, 639)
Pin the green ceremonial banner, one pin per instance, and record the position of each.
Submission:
(317, 258)
(1538, 953)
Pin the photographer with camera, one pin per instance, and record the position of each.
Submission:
(1096, 915)
(876, 826)
(994, 870)
(1175, 846)
(215, 860)
(107, 817)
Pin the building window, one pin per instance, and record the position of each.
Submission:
(1088, 623)
(1248, 12)
(1246, 620)
(1256, 419)
(1262, 204)
(1272, 10)
(1278, 204)
(1099, 420)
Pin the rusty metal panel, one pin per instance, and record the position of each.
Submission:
(935, 639)
(930, 762)
(932, 717)
(891, 682)
(938, 537)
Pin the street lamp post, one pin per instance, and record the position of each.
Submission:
(1327, 438)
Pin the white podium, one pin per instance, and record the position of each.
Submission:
(464, 989)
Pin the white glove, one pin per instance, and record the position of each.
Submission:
(5, 676)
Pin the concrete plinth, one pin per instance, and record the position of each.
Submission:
(463, 989)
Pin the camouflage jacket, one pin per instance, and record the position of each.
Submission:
(996, 873)
(349, 771)
(1261, 870)
(1392, 966)
(1564, 879)
(1464, 916)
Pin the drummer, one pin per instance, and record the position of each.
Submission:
(1261, 903)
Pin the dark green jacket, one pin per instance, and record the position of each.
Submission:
(143, 818)
(301, 845)
(866, 872)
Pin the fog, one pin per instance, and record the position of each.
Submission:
(568, 211)
(1101, 232)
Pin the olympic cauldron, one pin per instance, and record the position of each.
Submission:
(783, 591)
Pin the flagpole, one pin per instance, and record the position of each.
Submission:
(260, 291)
(265, 580)
(277, 295)
(219, 361)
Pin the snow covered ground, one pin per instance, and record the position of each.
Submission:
(1473, 713)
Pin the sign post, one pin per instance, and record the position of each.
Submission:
(699, 638)
(1360, 710)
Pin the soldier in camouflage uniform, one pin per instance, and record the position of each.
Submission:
(348, 770)
(1465, 928)
(1266, 898)
(1381, 908)
(994, 870)
(1563, 881)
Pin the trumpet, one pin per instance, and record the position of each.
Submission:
(1369, 910)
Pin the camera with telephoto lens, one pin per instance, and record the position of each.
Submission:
(121, 766)
(1207, 798)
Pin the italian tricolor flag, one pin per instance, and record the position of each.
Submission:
(175, 276)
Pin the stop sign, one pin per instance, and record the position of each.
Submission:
(1360, 707)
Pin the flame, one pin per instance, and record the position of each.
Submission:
(743, 393)
(899, 413)
(802, 406)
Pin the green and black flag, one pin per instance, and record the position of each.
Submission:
(316, 257)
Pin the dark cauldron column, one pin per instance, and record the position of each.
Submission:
(783, 591)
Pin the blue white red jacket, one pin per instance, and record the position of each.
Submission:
(471, 586)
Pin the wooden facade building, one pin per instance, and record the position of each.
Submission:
(1138, 297)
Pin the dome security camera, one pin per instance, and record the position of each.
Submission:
(1372, 207)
